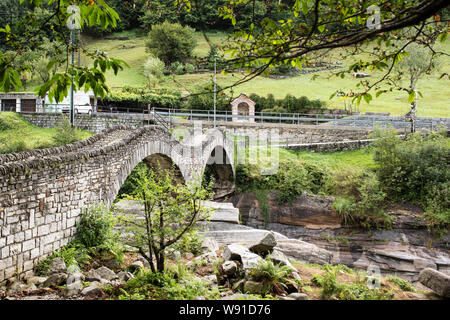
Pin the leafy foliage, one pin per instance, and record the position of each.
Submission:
(272, 276)
(165, 286)
(335, 290)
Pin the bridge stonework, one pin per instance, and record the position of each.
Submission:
(44, 191)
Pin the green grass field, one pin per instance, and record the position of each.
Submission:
(361, 159)
(17, 134)
(435, 101)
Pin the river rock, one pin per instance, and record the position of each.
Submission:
(36, 280)
(75, 277)
(57, 266)
(206, 258)
(136, 266)
(298, 296)
(106, 273)
(56, 279)
(240, 253)
(253, 287)
(437, 281)
(73, 289)
(229, 268)
(91, 291)
(124, 276)
(264, 245)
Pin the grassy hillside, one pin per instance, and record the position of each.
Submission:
(17, 134)
(130, 46)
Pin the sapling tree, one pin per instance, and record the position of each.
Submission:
(419, 61)
(171, 212)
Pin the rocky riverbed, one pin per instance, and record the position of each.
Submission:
(404, 250)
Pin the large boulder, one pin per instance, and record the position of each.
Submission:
(437, 281)
(264, 245)
(102, 273)
(91, 291)
(210, 244)
(240, 253)
(304, 251)
(73, 289)
(75, 277)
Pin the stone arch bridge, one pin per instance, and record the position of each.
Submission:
(43, 191)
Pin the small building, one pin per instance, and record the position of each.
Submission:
(243, 106)
(30, 103)
(21, 102)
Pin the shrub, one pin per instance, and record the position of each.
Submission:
(171, 42)
(366, 206)
(74, 254)
(177, 67)
(189, 68)
(416, 170)
(153, 68)
(96, 226)
(214, 53)
(65, 133)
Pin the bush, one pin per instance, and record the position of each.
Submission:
(177, 67)
(190, 68)
(74, 254)
(366, 206)
(291, 179)
(171, 42)
(96, 226)
(153, 68)
(65, 133)
(416, 170)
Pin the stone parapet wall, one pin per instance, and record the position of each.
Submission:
(94, 123)
(331, 146)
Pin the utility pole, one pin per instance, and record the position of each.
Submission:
(215, 58)
(72, 44)
(73, 23)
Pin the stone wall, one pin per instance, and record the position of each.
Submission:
(287, 134)
(397, 122)
(94, 123)
(331, 146)
(44, 191)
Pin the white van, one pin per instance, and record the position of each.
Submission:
(81, 103)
